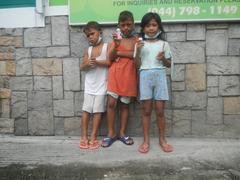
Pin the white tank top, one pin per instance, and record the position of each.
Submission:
(96, 78)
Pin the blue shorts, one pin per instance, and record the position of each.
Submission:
(153, 84)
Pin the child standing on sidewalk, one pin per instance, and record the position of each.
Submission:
(153, 55)
(122, 78)
(96, 64)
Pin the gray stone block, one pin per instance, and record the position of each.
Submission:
(21, 83)
(229, 85)
(223, 65)
(178, 86)
(58, 51)
(216, 42)
(23, 66)
(234, 46)
(57, 87)
(6, 126)
(22, 53)
(189, 100)
(19, 105)
(182, 122)
(37, 37)
(71, 74)
(78, 43)
(39, 52)
(196, 32)
(179, 72)
(78, 103)
(63, 108)
(40, 123)
(5, 108)
(175, 27)
(234, 30)
(212, 81)
(58, 126)
(42, 83)
(176, 36)
(194, 52)
(212, 91)
(200, 128)
(40, 101)
(215, 111)
(69, 95)
(72, 126)
(60, 31)
(21, 127)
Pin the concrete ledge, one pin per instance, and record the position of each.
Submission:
(24, 157)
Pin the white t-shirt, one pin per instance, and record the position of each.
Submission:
(149, 53)
(96, 78)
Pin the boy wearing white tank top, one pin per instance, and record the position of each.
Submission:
(96, 64)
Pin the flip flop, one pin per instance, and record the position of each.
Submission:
(83, 144)
(94, 145)
(166, 148)
(144, 148)
(108, 141)
(126, 140)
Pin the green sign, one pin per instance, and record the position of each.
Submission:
(17, 3)
(107, 11)
(58, 2)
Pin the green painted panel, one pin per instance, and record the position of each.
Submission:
(58, 2)
(17, 3)
(106, 11)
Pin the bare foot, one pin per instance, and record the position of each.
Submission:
(166, 147)
(144, 148)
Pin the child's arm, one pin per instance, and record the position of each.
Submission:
(112, 53)
(166, 61)
(87, 64)
(126, 54)
(106, 62)
(162, 56)
(137, 59)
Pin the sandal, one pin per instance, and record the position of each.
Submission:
(83, 144)
(94, 145)
(108, 141)
(144, 148)
(126, 140)
(166, 147)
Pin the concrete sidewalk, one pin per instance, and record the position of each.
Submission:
(26, 157)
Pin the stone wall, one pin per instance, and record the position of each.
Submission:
(42, 86)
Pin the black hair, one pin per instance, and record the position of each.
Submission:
(125, 15)
(92, 25)
(147, 18)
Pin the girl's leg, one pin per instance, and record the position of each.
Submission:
(124, 113)
(96, 122)
(161, 126)
(85, 119)
(146, 118)
(111, 107)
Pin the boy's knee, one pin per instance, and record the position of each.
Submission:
(111, 105)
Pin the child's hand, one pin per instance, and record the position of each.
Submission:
(116, 40)
(92, 62)
(161, 56)
(140, 43)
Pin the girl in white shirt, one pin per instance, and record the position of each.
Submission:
(153, 55)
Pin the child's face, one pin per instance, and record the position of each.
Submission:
(92, 36)
(151, 28)
(126, 27)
